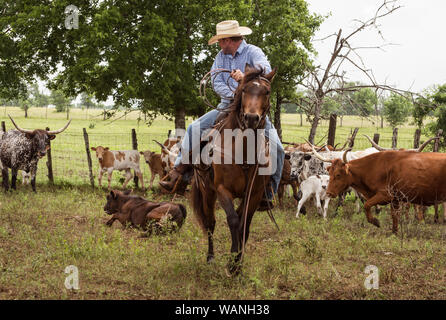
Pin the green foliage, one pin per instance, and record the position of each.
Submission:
(396, 109)
(87, 101)
(59, 99)
(330, 105)
(365, 100)
(422, 108)
(439, 98)
(148, 55)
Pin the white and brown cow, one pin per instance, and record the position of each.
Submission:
(169, 152)
(110, 160)
(21, 149)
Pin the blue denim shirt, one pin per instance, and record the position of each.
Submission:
(245, 54)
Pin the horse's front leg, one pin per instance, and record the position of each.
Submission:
(226, 202)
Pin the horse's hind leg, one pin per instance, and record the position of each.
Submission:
(204, 209)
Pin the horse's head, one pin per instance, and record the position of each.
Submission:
(252, 97)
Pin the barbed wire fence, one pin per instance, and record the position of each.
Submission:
(68, 161)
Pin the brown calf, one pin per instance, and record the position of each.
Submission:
(286, 180)
(156, 165)
(139, 212)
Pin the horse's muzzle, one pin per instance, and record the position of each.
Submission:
(251, 120)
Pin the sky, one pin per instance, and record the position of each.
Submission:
(416, 61)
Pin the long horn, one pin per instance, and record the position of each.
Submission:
(425, 144)
(60, 130)
(344, 156)
(316, 154)
(18, 128)
(375, 145)
(164, 148)
(345, 144)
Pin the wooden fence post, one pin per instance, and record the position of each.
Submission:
(352, 139)
(437, 141)
(3, 126)
(416, 139)
(49, 162)
(332, 130)
(87, 148)
(376, 138)
(436, 148)
(395, 138)
(135, 147)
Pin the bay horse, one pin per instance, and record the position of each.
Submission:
(227, 182)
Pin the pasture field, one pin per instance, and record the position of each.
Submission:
(68, 149)
(309, 258)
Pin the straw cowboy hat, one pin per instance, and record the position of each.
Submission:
(227, 29)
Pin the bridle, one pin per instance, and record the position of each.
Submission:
(241, 117)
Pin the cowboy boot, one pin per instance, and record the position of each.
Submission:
(174, 174)
(266, 203)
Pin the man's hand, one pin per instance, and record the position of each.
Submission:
(237, 75)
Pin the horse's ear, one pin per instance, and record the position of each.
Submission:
(248, 68)
(270, 76)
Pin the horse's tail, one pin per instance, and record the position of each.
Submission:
(203, 205)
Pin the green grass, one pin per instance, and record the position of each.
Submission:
(309, 258)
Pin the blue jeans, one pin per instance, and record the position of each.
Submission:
(207, 121)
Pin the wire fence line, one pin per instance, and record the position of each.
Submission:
(70, 163)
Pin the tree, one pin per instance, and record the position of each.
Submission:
(287, 44)
(152, 54)
(59, 99)
(323, 81)
(439, 99)
(396, 109)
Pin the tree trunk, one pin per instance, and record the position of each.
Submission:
(315, 121)
(277, 123)
(180, 118)
(68, 112)
(301, 119)
(26, 111)
(382, 122)
(340, 123)
(332, 130)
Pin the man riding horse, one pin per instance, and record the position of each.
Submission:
(234, 55)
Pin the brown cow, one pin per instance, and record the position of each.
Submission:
(286, 180)
(391, 177)
(156, 165)
(139, 212)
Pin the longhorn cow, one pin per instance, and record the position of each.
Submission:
(21, 149)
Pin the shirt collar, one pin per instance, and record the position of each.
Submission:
(241, 47)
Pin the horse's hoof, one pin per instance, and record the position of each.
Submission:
(233, 269)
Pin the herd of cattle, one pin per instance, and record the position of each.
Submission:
(378, 176)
